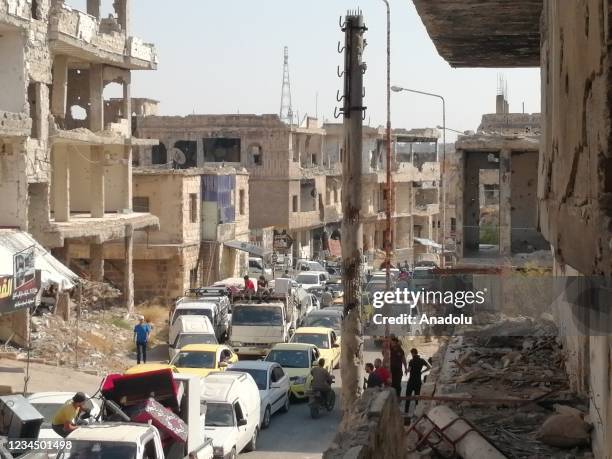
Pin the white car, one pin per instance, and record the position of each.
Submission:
(310, 279)
(47, 403)
(232, 412)
(273, 385)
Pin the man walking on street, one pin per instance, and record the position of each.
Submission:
(141, 337)
(397, 361)
(415, 367)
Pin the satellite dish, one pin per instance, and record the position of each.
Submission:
(178, 156)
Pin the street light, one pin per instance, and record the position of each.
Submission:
(443, 168)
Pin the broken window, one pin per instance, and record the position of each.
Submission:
(453, 224)
(294, 203)
(159, 154)
(220, 149)
(255, 152)
(241, 202)
(35, 11)
(189, 156)
(34, 104)
(314, 159)
(193, 207)
(140, 204)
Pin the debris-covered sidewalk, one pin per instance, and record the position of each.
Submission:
(509, 381)
(96, 339)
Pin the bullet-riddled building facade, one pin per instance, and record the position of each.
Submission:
(415, 207)
(65, 158)
(294, 180)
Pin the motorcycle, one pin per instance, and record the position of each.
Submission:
(316, 402)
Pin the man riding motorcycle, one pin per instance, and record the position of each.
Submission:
(321, 380)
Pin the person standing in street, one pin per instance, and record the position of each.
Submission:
(141, 337)
(397, 362)
(415, 367)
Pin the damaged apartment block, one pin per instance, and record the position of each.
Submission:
(65, 147)
(569, 41)
(294, 173)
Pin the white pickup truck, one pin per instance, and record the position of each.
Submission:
(179, 393)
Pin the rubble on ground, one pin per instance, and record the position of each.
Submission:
(516, 359)
(96, 340)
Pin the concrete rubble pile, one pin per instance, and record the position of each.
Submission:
(96, 340)
(516, 359)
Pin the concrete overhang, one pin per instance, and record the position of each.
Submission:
(484, 33)
(83, 136)
(492, 143)
(97, 230)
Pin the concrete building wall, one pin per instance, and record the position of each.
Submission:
(575, 161)
(12, 72)
(159, 193)
(269, 203)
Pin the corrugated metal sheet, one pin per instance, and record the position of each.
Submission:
(52, 270)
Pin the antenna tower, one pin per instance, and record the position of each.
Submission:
(286, 111)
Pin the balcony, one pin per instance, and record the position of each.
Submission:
(425, 210)
(332, 213)
(82, 36)
(15, 14)
(15, 124)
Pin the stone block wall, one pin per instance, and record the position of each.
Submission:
(575, 168)
(374, 429)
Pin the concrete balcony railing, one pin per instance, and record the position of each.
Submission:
(332, 213)
(424, 210)
(82, 35)
(15, 124)
(15, 12)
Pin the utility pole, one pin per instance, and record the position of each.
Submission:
(352, 228)
(388, 187)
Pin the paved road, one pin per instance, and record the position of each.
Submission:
(295, 435)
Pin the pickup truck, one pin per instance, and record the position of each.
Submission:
(260, 322)
(171, 402)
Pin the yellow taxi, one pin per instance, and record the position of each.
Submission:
(297, 359)
(145, 367)
(324, 339)
(201, 359)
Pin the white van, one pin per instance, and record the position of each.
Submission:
(232, 412)
(188, 324)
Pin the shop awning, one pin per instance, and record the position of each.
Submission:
(52, 271)
(427, 242)
(252, 249)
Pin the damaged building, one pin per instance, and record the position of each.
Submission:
(294, 179)
(569, 41)
(415, 174)
(496, 194)
(203, 216)
(65, 159)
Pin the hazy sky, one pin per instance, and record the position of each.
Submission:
(225, 56)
